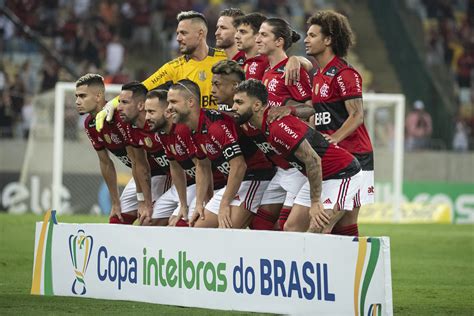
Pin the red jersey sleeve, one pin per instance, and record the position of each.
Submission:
(301, 90)
(349, 84)
(286, 134)
(94, 137)
(223, 133)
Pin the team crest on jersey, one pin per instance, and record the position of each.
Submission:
(252, 68)
(179, 150)
(202, 75)
(115, 138)
(272, 85)
(148, 142)
(107, 139)
(324, 91)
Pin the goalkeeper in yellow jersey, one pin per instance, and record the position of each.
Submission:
(195, 63)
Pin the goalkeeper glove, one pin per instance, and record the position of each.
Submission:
(105, 114)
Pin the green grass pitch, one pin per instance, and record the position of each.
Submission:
(432, 272)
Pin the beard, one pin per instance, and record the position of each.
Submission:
(244, 117)
(187, 50)
(180, 117)
(225, 44)
(158, 125)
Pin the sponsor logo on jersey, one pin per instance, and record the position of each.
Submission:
(148, 142)
(300, 89)
(316, 89)
(288, 130)
(342, 86)
(331, 72)
(228, 133)
(324, 91)
(322, 118)
(281, 142)
(202, 75)
(107, 139)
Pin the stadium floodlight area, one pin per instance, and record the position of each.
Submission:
(71, 165)
(262, 271)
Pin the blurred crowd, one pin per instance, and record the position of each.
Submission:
(97, 36)
(449, 40)
(101, 36)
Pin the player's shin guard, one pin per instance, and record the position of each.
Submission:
(263, 220)
(348, 230)
(284, 213)
(128, 219)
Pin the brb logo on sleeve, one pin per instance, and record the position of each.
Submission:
(80, 249)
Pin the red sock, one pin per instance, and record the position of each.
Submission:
(182, 223)
(263, 220)
(284, 213)
(128, 219)
(348, 230)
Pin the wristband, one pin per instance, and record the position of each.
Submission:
(140, 197)
(293, 111)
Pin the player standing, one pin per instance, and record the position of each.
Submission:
(194, 64)
(225, 34)
(337, 101)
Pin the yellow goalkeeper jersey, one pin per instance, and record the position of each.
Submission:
(185, 67)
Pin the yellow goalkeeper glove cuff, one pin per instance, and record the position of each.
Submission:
(106, 114)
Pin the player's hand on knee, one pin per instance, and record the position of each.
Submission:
(116, 211)
(224, 217)
(105, 114)
(173, 220)
(318, 217)
(198, 214)
(183, 213)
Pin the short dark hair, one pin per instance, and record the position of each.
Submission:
(137, 88)
(189, 87)
(337, 26)
(282, 29)
(254, 20)
(160, 94)
(253, 88)
(232, 12)
(191, 15)
(228, 67)
(91, 80)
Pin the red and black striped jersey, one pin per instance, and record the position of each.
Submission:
(255, 67)
(219, 139)
(279, 93)
(332, 86)
(260, 140)
(179, 146)
(111, 137)
(239, 58)
(148, 140)
(286, 134)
